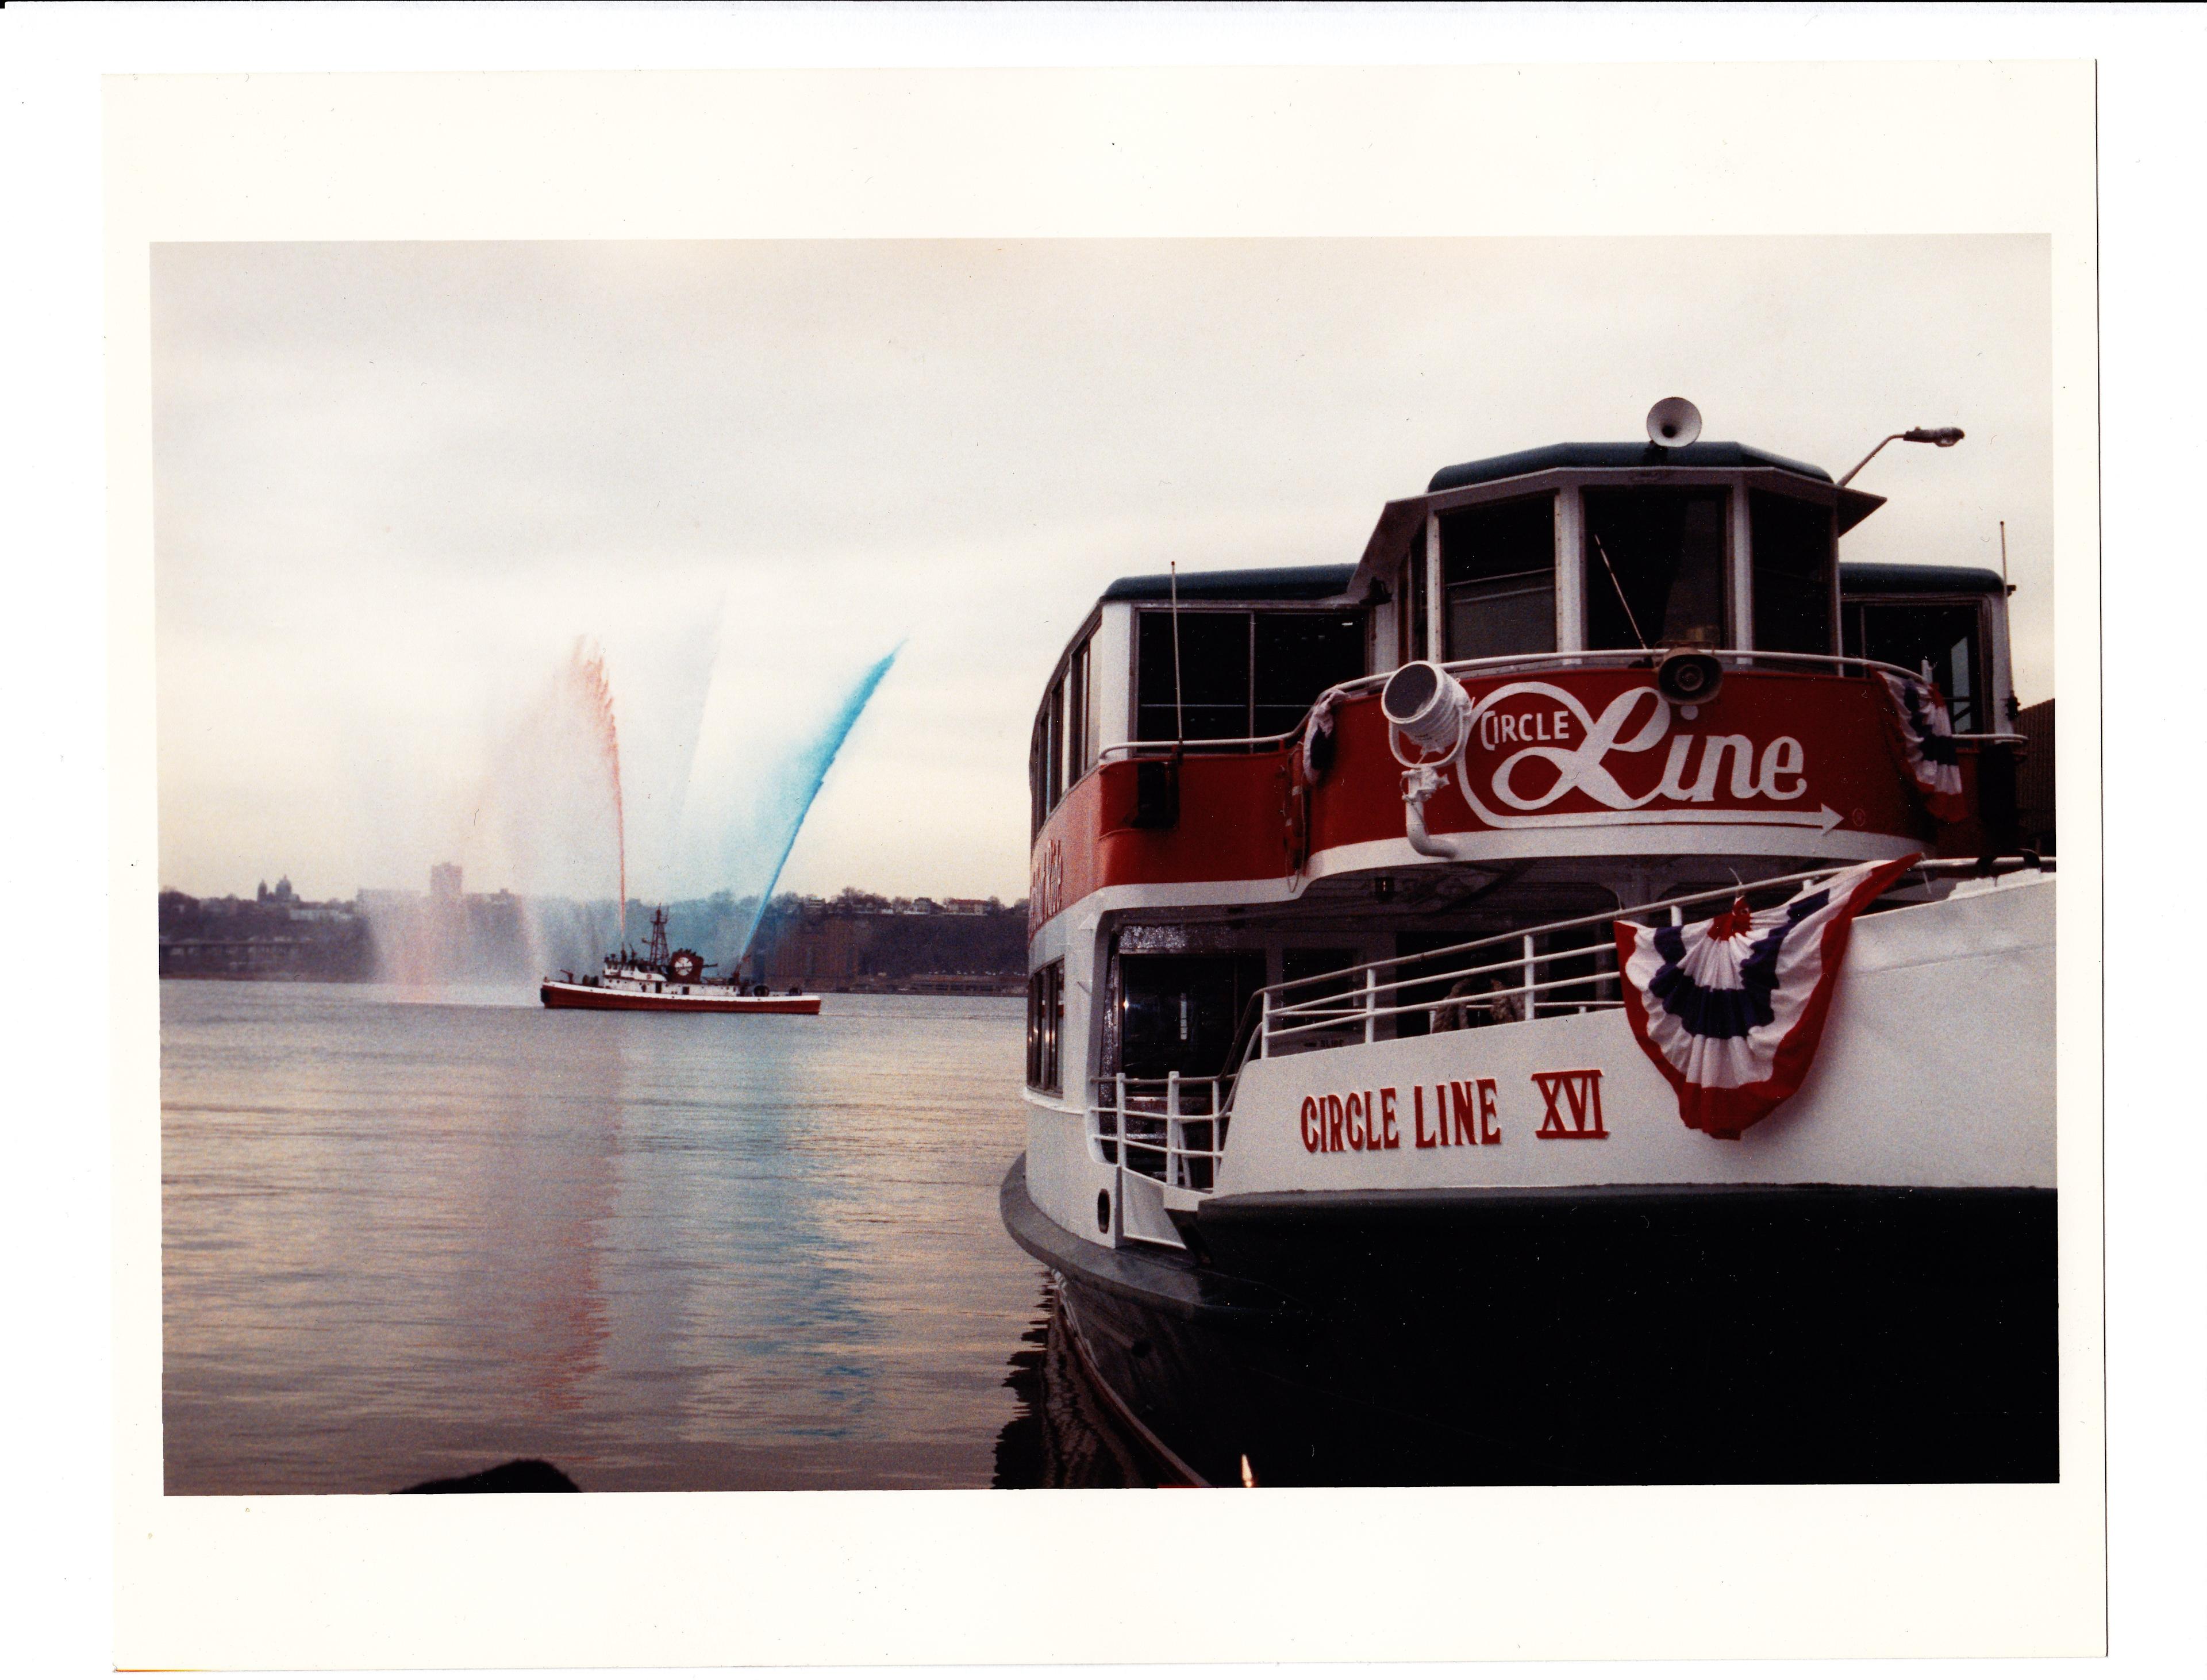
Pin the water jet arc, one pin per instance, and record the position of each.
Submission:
(812, 774)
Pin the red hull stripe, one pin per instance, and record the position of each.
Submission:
(556, 997)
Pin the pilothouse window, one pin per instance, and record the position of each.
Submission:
(1794, 555)
(1654, 568)
(1498, 578)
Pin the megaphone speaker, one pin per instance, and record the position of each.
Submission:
(1689, 677)
(1673, 423)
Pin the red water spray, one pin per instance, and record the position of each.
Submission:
(586, 671)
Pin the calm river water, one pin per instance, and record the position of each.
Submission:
(409, 1236)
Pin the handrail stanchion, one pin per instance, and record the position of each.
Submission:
(1531, 978)
(1172, 1128)
(1119, 1122)
(1370, 1004)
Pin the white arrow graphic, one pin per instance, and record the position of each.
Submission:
(1824, 819)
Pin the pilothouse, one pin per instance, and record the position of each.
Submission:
(1580, 953)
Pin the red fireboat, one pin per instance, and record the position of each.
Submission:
(678, 983)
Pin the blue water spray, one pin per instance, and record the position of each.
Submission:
(811, 770)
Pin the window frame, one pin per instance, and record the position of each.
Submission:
(1249, 610)
(1053, 769)
(1419, 577)
(1747, 492)
(1045, 1070)
(1734, 614)
(1443, 614)
(1983, 666)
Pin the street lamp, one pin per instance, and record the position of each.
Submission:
(1945, 436)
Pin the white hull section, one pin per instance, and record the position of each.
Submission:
(1936, 1070)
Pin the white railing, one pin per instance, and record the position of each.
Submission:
(1172, 1130)
(1557, 968)
(1175, 1129)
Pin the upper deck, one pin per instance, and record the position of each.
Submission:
(1177, 758)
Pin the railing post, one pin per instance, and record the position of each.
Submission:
(1264, 1026)
(1370, 1004)
(1531, 976)
(1172, 1127)
(1119, 1120)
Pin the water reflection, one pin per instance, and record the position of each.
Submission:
(1065, 1433)
(542, 1183)
(412, 1237)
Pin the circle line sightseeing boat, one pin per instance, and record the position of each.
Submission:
(1561, 1000)
(661, 982)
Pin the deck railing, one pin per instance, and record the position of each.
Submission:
(1172, 1129)
(1562, 967)
(1175, 1129)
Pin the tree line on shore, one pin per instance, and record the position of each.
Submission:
(855, 939)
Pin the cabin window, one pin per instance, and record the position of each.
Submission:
(1037, 795)
(1297, 656)
(1054, 722)
(1498, 578)
(1079, 732)
(1213, 686)
(1942, 639)
(1063, 748)
(1794, 554)
(1654, 568)
(1045, 1026)
(1243, 675)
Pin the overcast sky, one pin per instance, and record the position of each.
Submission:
(394, 483)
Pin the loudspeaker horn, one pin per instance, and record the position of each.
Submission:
(1688, 677)
(1673, 423)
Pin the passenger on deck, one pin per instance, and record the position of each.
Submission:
(1477, 1000)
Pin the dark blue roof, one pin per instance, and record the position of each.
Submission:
(1266, 582)
(1553, 456)
(1881, 577)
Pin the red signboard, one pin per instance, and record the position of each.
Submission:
(1798, 757)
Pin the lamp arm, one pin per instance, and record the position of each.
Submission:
(1866, 460)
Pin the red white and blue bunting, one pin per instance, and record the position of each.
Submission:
(1731, 1010)
(1927, 745)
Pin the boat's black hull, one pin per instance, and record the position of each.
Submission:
(1810, 1334)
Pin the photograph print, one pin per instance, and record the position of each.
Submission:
(964, 863)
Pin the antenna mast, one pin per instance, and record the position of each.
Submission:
(1180, 723)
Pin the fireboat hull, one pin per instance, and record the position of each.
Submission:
(558, 994)
(1779, 1334)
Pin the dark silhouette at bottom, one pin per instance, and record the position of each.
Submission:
(519, 1476)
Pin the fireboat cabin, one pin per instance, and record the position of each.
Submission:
(1560, 999)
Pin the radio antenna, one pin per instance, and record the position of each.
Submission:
(1638, 637)
(1180, 723)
